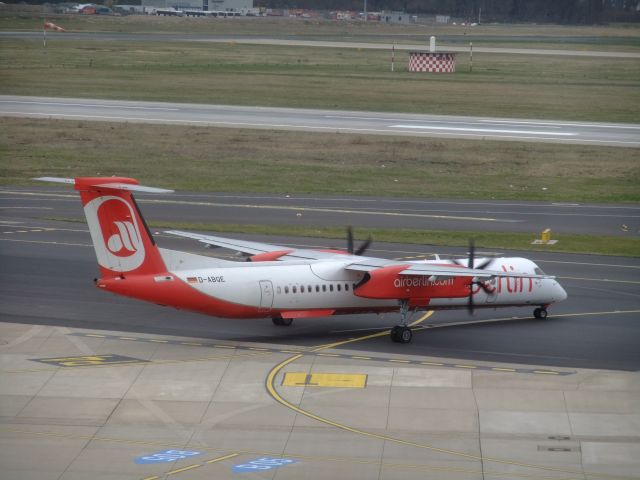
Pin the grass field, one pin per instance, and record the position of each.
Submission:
(599, 37)
(217, 159)
(221, 159)
(573, 88)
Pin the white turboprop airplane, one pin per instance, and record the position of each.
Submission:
(284, 283)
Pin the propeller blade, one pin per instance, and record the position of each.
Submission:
(472, 253)
(350, 239)
(470, 301)
(484, 264)
(363, 248)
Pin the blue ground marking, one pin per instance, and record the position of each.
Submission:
(262, 464)
(165, 456)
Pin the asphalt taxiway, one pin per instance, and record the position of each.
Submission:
(103, 387)
(529, 130)
(48, 267)
(370, 212)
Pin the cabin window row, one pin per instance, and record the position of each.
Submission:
(317, 288)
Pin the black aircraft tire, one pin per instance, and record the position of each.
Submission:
(405, 335)
(540, 313)
(395, 334)
(282, 322)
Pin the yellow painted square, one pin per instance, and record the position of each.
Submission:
(335, 380)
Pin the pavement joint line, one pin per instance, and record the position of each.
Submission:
(321, 354)
(126, 441)
(273, 392)
(141, 362)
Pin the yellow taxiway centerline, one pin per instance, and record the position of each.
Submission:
(270, 386)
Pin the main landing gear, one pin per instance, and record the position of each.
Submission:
(282, 322)
(402, 333)
(540, 312)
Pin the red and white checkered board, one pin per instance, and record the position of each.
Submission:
(432, 62)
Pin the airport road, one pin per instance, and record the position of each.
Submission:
(360, 212)
(529, 130)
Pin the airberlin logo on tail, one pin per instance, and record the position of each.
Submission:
(126, 241)
(115, 233)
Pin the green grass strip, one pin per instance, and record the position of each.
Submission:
(567, 243)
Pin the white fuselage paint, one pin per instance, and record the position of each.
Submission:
(328, 285)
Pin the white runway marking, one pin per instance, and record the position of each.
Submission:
(561, 124)
(29, 208)
(485, 130)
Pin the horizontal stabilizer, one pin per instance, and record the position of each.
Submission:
(56, 180)
(114, 183)
(134, 188)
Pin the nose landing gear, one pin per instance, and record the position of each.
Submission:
(540, 312)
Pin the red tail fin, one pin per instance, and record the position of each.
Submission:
(121, 238)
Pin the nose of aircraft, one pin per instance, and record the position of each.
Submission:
(559, 293)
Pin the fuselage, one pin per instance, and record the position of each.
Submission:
(268, 289)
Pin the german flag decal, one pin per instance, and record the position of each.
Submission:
(192, 279)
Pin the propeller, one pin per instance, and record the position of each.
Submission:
(350, 244)
(474, 281)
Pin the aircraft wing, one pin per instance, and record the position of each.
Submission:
(244, 246)
(424, 269)
(438, 271)
(266, 251)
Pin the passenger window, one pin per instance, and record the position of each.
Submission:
(317, 288)
(331, 288)
(346, 287)
(309, 289)
(324, 288)
(286, 289)
(301, 288)
(339, 287)
(294, 289)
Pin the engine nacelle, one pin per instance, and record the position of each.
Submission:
(388, 283)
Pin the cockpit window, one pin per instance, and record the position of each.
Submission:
(538, 271)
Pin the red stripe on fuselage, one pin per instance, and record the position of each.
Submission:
(177, 294)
